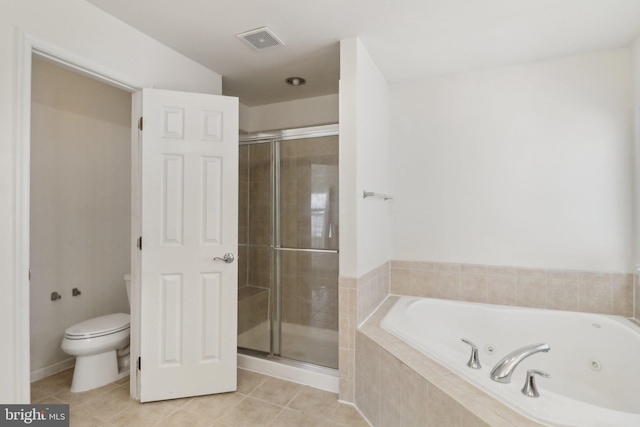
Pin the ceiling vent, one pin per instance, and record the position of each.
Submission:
(261, 38)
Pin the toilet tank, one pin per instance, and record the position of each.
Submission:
(127, 281)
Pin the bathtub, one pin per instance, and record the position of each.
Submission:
(594, 359)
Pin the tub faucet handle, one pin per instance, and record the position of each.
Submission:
(530, 389)
(474, 360)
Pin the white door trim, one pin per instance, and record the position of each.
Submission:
(28, 45)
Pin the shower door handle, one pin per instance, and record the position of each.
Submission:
(228, 258)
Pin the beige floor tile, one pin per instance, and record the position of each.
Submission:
(123, 380)
(214, 406)
(80, 418)
(249, 381)
(110, 404)
(184, 418)
(51, 400)
(172, 403)
(277, 391)
(143, 414)
(80, 399)
(252, 413)
(51, 385)
(315, 402)
(348, 415)
(291, 418)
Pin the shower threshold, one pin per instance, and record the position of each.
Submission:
(304, 343)
(310, 345)
(290, 370)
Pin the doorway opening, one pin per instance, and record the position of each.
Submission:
(30, 48)
(80, 208)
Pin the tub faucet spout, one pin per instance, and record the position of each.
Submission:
(504, 368)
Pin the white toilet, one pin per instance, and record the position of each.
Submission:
(101, 348)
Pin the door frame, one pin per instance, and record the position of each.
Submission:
(28, 45)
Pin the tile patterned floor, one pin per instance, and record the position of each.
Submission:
(260, 401)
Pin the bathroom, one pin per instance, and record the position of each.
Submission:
(81, 207)
(528, 166)
(66, 227)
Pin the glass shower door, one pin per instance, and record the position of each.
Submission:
(288, 246)
(305, 326)
(255, 257)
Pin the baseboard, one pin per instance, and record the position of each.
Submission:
(41, 373)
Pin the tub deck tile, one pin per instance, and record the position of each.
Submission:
(487, 416)
(450, 400)
(457, 388)
(507, 413)
(427, 367)
(443, 410)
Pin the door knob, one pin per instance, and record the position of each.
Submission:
(228, 258)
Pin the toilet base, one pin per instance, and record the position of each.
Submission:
(95, 371)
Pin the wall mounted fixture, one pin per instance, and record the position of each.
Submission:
(55, 296)
(366, 194)
(75, 292)
(296, 81)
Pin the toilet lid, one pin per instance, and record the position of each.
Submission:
(99, 326)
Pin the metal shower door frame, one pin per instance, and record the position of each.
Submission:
(275, 247)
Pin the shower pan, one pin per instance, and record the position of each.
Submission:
(288, 246)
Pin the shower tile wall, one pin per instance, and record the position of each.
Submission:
(253, 225)
(309, 289)
(259, 215)
(309, 219)
(309, 193)
(243, 216)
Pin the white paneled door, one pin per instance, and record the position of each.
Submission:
(189, 217)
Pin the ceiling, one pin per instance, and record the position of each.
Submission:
(408, 39)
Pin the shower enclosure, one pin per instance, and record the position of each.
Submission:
(288, 245)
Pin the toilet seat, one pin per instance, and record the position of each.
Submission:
(99, 327)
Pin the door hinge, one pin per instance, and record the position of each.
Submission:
(139, 244)
(29, 274)
(139, 363)
(140, 123)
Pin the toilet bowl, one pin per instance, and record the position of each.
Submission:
(101, 348)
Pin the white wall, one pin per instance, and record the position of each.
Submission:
(83, 30)
(80, 206)
(320, 110)
(529, 165)
(635, 76)
(364, 165)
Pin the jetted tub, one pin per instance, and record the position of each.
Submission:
(594, 359)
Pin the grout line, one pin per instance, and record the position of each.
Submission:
(168, 415)
(244, 396)
(276, 417)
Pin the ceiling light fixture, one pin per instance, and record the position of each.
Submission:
(296, 81)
